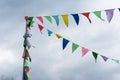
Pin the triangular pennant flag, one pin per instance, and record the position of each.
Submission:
(98, 14)
(119, 9)
(84, 51)
(109, 14)
(40, 27)
(74, 47)
(95, 55)
(76, 18)
(65, 42)
(27, 69)
(31, 21)
(26, 64)
(25, 77)
(40, 19)
(115, 60)
(104, 58)
(65, 19)
(28, 44)
(28, 34)
(56, 19)
(49, 32)
(87, 16)
(28, 76)
(58, 36)
(26, 55)
(49, 18)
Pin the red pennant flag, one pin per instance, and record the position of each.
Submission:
(40, 27)
(40, 19)
(87, 16)
(27, 69)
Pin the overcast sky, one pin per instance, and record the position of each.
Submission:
(49, 61)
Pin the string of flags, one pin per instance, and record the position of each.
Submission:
(109, 15)
(75, 46)
(26, 55)
(30, 23)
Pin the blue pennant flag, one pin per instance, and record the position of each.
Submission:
(65, 42)
(76, 17)
(25, 76)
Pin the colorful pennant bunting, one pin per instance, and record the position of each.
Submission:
(49, 18)
(30, 22)
(95, 55)
(65, 42)
(76, 18)
(56, 19)
(98, 14)
(27, 45)
(40, 19)
(109, 14)
(65, 19)
(74, 47)
(87, 16)
(84, 51)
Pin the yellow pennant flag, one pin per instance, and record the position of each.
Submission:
(65, 19)
(28, 76)
(58, 36)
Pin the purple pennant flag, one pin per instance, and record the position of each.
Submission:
(109, 14)
(28, 34)
(104, 58)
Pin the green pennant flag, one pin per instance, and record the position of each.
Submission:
(49, 18)
(26, 64)
(98, 14)
(119, 9)
(95, 55)
(74, 47)
(115, 60)
(31, 22)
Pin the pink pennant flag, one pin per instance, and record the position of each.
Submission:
(40, 19)
(87, 16)
(84, 51)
